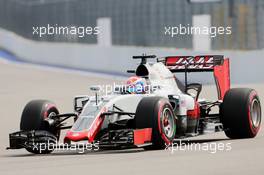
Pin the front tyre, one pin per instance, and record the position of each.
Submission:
(156, 113)
(34, 117)
(241, 113)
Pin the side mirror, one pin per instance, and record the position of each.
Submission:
(95, 88)
(79, 102)
(131, 71)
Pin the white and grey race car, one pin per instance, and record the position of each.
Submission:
(166, 110)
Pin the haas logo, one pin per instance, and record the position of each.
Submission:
(198, 62)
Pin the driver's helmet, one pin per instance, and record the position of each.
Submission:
(136, 85)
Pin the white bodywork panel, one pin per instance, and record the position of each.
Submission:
(160, 77)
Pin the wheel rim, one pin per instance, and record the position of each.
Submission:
(167, 122)
(255, 113)
(51, 115)
(55, 132)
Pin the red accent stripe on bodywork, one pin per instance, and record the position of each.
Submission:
(87, 134)
(195, 113)
(142, 136)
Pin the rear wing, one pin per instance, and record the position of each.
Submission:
(203, 63)
(193, 63)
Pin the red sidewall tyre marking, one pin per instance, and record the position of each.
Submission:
(252, 128)
(163, 136)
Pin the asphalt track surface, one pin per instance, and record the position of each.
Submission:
(21, 83)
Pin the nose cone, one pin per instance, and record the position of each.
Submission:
(87, 133)
(76, 136)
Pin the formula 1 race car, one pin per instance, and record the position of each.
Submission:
(150, 111)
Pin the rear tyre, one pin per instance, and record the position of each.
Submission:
(156, 113)
(241, 113)
(34, 117)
